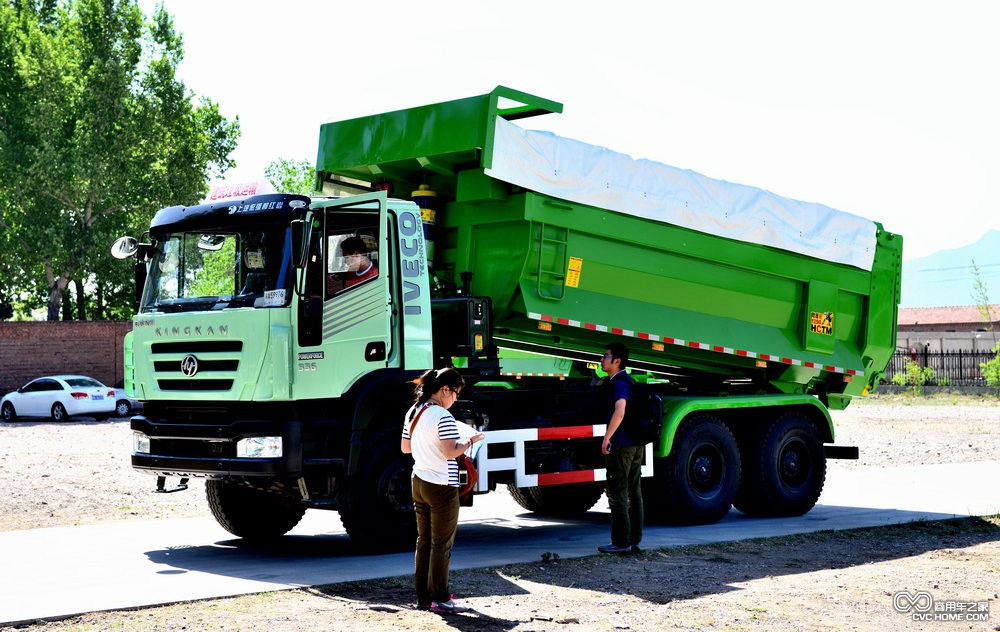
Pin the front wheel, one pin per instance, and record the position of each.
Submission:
(376, 502)
(784, 468)
(7, 413)
(59, 412)
(697, 482)
(251, 512)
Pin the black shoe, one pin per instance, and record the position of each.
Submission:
(635, 549)
(611, 548)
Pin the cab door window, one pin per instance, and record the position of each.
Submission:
(352, 251)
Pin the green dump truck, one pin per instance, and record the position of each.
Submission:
(271, 367)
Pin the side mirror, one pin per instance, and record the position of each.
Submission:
(299, 246)
(124, 247)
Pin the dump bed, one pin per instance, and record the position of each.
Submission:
(706, 281)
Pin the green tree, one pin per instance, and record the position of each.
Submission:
(96, 134)
(981, 295)
(991, 370)
(291, 176)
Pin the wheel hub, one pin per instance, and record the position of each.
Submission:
(706, 469)
(794, 464)
(701, 470)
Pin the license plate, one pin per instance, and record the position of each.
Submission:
(97, 397)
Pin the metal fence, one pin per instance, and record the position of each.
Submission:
(955, 368)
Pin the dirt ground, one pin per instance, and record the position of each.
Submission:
(78, 473)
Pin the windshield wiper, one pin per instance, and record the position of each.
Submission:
(243, 300)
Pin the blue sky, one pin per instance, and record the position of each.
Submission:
(888, 110)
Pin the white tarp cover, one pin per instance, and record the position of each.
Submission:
(571, 170)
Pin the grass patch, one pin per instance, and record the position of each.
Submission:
(929, 398)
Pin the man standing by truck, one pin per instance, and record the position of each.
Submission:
(623, 456)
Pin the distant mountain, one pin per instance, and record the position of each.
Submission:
(946, 278)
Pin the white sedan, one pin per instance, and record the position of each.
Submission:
(59, 397)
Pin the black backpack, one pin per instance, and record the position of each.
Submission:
(643, 414)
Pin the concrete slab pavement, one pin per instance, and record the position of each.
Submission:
(50, 573)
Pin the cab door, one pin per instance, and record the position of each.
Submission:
(345, 324)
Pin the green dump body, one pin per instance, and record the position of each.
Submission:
(567, 276)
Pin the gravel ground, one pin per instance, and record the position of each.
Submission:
(78, 473)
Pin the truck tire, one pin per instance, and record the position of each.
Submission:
(697, 482)
(562, 501)
(784, 468)
(376, 503)
(252, 513)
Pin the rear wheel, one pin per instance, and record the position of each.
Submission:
(697, 482)
(7, 413)
(251, 512)
(123, 408)
(784, 468)
(59, 412)
(564, 501)
(376, 503)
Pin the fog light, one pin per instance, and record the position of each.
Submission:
(258, 448)
(140, 443)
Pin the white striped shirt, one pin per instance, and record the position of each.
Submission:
(429, 461)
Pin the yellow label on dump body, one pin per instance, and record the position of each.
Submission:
(573, 273)
(821, 323)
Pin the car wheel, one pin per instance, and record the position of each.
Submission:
(59, 412)
(123, 408)
(7, 413)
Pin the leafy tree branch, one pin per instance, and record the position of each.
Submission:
(96, 134)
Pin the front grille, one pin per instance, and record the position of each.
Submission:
(195, 385)
(207, 346)
(214, 373)
(174, 366)
(185, 448)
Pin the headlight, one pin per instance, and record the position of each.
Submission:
(258, 448)
(140, 443)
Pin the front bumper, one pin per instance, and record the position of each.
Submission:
(186, 449)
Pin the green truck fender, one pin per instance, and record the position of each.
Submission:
(737, 412)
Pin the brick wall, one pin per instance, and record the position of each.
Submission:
(33, 349)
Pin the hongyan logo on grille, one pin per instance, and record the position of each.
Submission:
(189, 365)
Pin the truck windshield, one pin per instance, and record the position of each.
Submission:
(193, 271)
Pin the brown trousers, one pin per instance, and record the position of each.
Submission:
(436, 507)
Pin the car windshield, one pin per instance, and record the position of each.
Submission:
(222, 269)
(83, 382)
